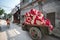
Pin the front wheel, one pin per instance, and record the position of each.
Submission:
(35, 33)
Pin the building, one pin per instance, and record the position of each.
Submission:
(26, 6)
(16, 14)
(50, 9)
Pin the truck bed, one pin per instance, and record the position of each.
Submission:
(36, 25)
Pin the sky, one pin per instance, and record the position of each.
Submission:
(8, 5)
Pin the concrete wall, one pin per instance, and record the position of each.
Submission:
(49, 6)
(53, 7)
(29, 8)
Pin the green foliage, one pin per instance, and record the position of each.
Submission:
(9, 15)
(5, 15)
(1, 11)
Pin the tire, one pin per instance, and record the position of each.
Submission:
(24, 27)
(35, 33)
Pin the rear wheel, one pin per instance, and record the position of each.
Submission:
(35, 33)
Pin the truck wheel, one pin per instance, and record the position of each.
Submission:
(24, 28)
(35, 33)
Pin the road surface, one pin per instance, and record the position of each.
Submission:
(15, 32)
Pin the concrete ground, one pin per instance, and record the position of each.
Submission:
(15, 32)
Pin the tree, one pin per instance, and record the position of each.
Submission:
(5, 15)
(1, 11)
(9, 15)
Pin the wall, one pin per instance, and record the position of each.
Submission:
(49, 6)
(53, 7)
(29, 8)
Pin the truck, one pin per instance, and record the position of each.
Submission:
(37, 32)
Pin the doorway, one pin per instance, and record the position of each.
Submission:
(51, 17)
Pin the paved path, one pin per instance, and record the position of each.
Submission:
(13, 33)
(16, 33)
